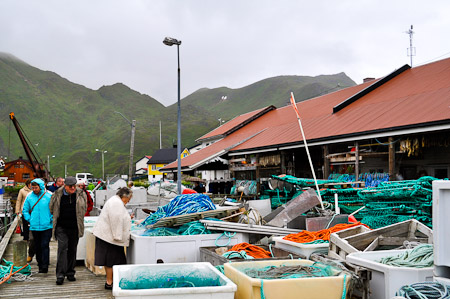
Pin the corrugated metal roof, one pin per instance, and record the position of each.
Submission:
(416, 96)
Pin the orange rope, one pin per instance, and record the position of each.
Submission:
(11, 274)
(251, 250)
(324, 234)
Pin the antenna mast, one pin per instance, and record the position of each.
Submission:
(411, 51)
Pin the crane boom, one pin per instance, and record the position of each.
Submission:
(38, 171)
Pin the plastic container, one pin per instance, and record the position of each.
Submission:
(174, 249)
(208, 254)
(441, 222)
(145, 276)
(387, 280)
(442, 280)
(89, 222)
(331, 287)
(300, 248)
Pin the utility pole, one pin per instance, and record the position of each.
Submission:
(133, 130)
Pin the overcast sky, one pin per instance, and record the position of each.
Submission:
(229, 43)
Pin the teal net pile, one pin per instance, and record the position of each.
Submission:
(170, 277)
(291, 271)
(302, 182)
(397, 201)
(191, 228)
(8, 269)
(181, 205)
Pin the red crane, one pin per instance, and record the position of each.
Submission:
(39, 171)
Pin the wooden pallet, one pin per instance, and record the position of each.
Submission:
(97, 270)
(361, 239)
(183, 219)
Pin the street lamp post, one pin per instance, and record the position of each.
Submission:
(48, 161)
(133, 130)
(103, 161)
(170, 42)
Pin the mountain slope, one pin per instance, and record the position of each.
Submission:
(70, 121)
(272, 91)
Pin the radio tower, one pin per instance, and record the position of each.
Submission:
(411, 51)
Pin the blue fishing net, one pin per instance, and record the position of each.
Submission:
(181, 205)
(170, 277)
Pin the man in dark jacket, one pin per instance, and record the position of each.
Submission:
(68, 206)
(59, 182)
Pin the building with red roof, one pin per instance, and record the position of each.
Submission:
(396, 124)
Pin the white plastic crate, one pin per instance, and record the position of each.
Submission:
(441, 223)
(300, 248)
(174, 249)
(89, 222)
(162, 272)
(442, 280)
(387, 280)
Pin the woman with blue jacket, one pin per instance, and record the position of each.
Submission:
(37, 212)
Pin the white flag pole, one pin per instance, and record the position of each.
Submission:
(306, 146)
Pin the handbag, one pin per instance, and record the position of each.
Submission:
(31, 211)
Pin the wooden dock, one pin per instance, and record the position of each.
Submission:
(42, 285)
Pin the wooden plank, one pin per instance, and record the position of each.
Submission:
(183, 219)
(372, 246)
(398, 241)
(361, 241)
(5, 240)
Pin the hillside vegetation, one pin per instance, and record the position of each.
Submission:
(70, 121)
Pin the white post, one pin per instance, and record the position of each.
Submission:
(306, 147)
(336, 204)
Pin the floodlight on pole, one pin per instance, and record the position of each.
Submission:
(169, 41)
(48, 161)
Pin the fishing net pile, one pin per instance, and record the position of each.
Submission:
(385, 202)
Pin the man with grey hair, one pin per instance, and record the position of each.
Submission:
(56, 185)
(68, 206)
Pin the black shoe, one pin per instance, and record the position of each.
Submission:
(71, 278)
(108, 286)
(59, 281)
(43, 270)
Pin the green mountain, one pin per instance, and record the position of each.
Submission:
(70, 121)
(224, 102)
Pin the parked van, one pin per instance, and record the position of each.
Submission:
(86, 176)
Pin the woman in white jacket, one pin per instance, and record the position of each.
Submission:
(112, 232)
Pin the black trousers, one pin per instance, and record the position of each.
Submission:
(42, 247)
(67, 251)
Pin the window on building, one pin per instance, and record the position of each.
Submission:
(25, 175)
(11, 175)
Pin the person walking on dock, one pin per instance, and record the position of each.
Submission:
(112, 233)
(56, 185)
(90, 203)
(27, 236)
(68, 206)
(36, 211)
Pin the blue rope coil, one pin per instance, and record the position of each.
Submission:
(181, 205)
